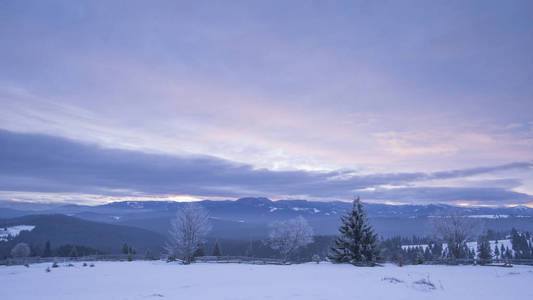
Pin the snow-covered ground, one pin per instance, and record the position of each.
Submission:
(13, 231)
(159, 280)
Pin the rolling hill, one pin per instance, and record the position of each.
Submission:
(61, 229)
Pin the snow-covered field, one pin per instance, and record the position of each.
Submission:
(159, 280)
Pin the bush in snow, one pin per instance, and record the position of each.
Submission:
(21, 250)
(316, 258)
(287, 236)
(55, 265)
(357, 243)
(424, 284)
(392, 280)
(187, 229)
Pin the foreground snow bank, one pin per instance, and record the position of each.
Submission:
(159, 280)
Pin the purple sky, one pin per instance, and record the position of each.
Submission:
(397, 101)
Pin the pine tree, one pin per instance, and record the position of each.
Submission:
(483, 249)
(47, 250)
(470, 253)
(216, 250)
(250, 250)
(508, 253)
(125, 248)
(357, 243)
(73, 252)
(437, 250)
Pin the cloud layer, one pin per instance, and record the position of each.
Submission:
(43, 163)
(314, 99)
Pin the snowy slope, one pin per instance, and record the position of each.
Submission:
(159, 280)
(13, 231)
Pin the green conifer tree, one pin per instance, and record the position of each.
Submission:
(47, 250)
(73, 252)
(357, 242)
(216, 250)
(483, 249)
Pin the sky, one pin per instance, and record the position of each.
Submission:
(400, 102)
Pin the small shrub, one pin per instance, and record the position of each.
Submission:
(85, 264)
(70, 265)
(55, 265)
(26, 265)
(392, 279)
(48, 270)
(91, 265)
(316, 258)
(425, 283)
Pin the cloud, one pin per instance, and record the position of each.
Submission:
(262, 83)
(453, 195)
(43, 163)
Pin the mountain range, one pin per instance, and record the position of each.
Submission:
(250, 217)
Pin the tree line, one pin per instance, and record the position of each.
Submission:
(294, 240)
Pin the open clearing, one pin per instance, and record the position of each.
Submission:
(160, 280)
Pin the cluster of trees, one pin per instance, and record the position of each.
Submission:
(21, 250)
(293, 239)
(522, 244)
(127, 249)
(432, 249)
(191, 224)
(356, 244)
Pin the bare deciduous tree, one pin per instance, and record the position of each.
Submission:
(186, 231)
(287, 236)
(21, 250)
(455, 231)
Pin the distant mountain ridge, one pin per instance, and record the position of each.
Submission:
(259, 206)
(250, 216)
(373, 209)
